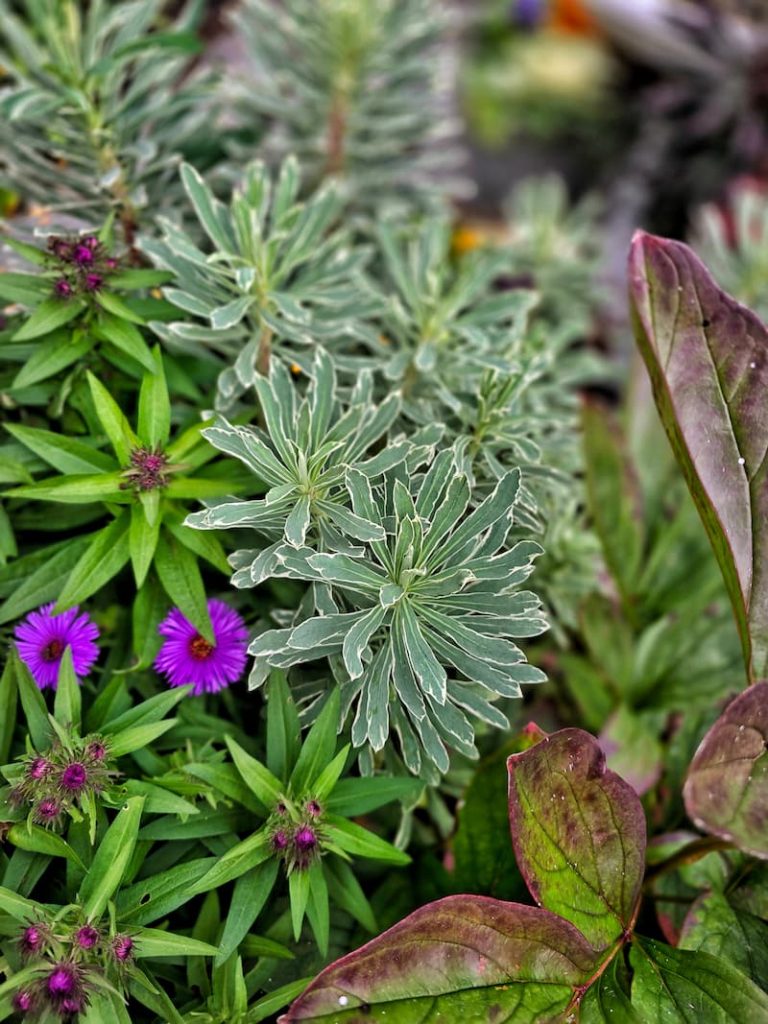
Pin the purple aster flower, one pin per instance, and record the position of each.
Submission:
(187, 657)
(43, 637)
(74, 778)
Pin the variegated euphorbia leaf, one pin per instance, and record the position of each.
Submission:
(425, 622)
(478, 959)
(726, 792)
(708, 361)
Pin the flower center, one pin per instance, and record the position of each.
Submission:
(199, 648)
(53, 650)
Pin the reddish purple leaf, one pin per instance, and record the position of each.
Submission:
(707, 357)
(463, 958)
(726, 792)
(579, 834)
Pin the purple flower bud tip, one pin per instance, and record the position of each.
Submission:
(305, 839)
(62, 981)
(63, 288)
(87, 937)
(38, 769)
(96, 751)
(93, 282)
(279, 840)
(122, 947)
(22, 1001)
(47, 810)
(31, 939)
(91, 242)
(110, 262)
(281, 808)
(74, 777)
(313, 808)
(73, 1004)
(82, 255)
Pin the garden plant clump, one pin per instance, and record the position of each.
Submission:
(373, 649)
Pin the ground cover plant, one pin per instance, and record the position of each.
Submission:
(371, 649)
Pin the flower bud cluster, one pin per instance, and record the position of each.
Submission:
(69, 956)
(63, 776)
(83, 264)
(296, 834)
(149, 470)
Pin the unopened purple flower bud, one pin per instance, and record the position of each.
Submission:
(280, 840)
(313, 808)
(110, 262)
(38, 768)
(305, 839)
(74, 777)
(96, 751)
(82, 255)
(62, 981)
(281, 808)
(23, 1001)
(32, 940)
(122, 947)
(60, 248)
(91, 242)
(93, 282)
(63, 288)
(87, 936)
(47, 811)
(72, 1004)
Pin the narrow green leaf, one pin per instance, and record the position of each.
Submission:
(8, 701)
(319, 745)
(143, 537)
(256, 776)
(126, 337)
(67, 703)
(283, 728)
(116, 426)
(32, 702)
(39, 840)
(111, 860)
(250, 893)
(49, 315)
(106, 555)
(52, 356)
(180, 576)
(152, 942)
(154, 405)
